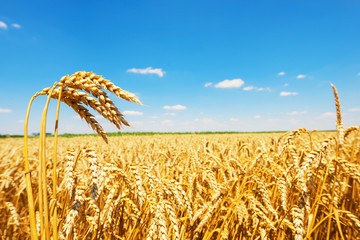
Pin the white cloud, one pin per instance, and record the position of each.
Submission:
(175, 107)
(15, 25)
(234, 83)
(132, 113)
(249, 88)
(328, 115)
(208, 84)
(284, 94)
(354, 109)
(300, 76)
(149, 70)
(167, 122)
(286, 84)
(5, 110)
(169, 114)
(205, 120)
(21, 121)
(257, 116)
(76, 117)
(98, 117)
(293, 113)
(154, 117)
(233, 120)
(358, 74)
(263, 89)
(3, 25)
(281, 73)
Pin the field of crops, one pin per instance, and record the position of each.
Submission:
(235, 186)
(298, 185)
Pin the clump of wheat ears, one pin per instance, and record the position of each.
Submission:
(80, 91)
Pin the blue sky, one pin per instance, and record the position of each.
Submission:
(196, 65)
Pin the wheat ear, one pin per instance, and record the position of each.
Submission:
(339, 123)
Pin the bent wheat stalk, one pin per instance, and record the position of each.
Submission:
(69, 92)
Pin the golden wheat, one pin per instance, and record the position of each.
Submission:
(299, 185)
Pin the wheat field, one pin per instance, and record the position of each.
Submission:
(299, 185)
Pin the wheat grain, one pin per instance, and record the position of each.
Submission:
(69, 223)
(298, 222)
(69, 178)
(14, 215)
(90, 154)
